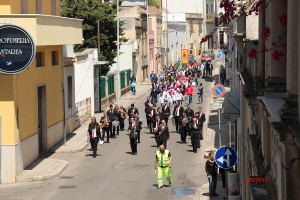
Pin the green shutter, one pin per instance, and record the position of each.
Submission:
(128, 75)
(111, 84)
(122, 78)
(102, 86)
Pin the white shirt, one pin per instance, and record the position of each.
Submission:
(177, 111)
(94, 134)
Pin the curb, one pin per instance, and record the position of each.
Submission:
(131, 98)
(74, 150)
(29, 176)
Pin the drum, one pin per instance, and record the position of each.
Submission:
(115, 123)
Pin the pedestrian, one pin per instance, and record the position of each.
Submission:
(166, 111)
(163, 163)
(211, 169)
(184, 129)
(200, 93)
(164, 134)
(153, 96)
(122, 116)
(139, 123)
(194, 133)
(156, 125)
(189, 92)
(150, 116)
(94, 133)
(222, 75)
(152, 76)
(116, 118)
(177, 113)
(112, 115)
(133, 136)
(133, 87)
(105, 127)
(132, 111)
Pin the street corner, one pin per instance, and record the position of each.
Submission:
(42, 169)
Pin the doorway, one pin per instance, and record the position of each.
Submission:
(42, 119)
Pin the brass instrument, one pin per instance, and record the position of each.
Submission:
(123, 114)
(104, 125)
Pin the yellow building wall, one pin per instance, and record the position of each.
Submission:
(7, 109)
(46, 7)
(26, 85)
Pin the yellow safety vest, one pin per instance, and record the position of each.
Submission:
(162, 158)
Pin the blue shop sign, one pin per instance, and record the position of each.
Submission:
(17, 49)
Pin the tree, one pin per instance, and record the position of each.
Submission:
(153, 2)
(91, 11)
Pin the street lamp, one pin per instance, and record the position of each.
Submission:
(118, 92)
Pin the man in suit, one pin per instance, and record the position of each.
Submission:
(147, 103)
(200, 119)
(94, 132)
(166, 112)
(150, 115)
(104, 120)
(132, 111)
(156, 125)
(194, 132)
(112, 115)
(189, 112)
(164, 134)
(138, 129)
(177, 113)
(133, 135)
(121, 120)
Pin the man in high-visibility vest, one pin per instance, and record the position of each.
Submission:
(163, 163)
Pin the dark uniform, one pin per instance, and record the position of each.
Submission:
(150, 116)
(94, 132)
(164, 135)
(112, 116)
(103, 120)
(177, 113)
(194, 133)
(166, 111)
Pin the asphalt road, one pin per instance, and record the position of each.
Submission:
(115, 174)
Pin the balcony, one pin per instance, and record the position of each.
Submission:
(47, 29)
(210, 18)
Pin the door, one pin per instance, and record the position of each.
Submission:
(42, 119)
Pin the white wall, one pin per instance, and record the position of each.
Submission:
(84, 78)
(183, 6)
(125, 58)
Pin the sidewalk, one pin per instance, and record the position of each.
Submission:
(47, 168)
(211, 142)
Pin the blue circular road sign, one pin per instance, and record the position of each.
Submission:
(225, 157)
(219, 55)
(17, 49)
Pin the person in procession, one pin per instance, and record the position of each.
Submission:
(132, 111)
(194, 133)
(138, 121)
(94, 134)
(150, 116)
(163, 163)
(200, 93)
(156, 127)
(104, 121)
(122, 116)
(166, 112)
(164, 134)
(133, 135)
(177, 113)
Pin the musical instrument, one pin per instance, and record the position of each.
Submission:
(104, 125)
(115, 123)
(123, 114)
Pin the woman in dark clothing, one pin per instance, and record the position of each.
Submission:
(211, 169)
(94, 133)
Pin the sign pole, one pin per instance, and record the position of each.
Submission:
(229, 133)
(219, 112)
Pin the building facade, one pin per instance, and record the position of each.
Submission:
(268, 84)
(31, 102)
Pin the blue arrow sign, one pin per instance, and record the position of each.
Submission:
(219, 55)
(225, 157)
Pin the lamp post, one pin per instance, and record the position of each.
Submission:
(118, 92)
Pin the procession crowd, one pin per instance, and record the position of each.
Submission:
(164, 105)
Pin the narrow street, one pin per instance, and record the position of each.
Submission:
(116, 174)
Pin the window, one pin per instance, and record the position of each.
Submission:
(40, 59)
(24, 5)
(207, 9)
(38, 4)
(55, 58)
(212, 8)
(70, 92)
(53, 7)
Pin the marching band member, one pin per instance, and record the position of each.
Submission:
(104, 121)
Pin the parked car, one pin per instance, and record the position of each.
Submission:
(206, 56)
